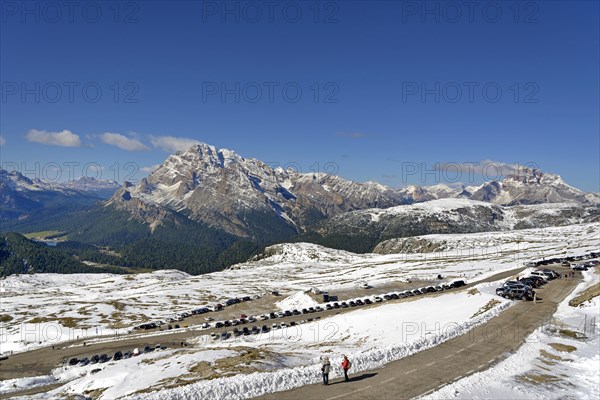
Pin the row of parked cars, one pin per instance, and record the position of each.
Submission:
(186, 314)
(565, 261)
(119, 355)
(523, 288)
(584, 266)
(309, 310)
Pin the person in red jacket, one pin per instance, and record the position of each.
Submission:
(346, 364)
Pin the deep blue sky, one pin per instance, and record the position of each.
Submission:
(368, 57)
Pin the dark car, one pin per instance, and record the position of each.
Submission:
(148, 349)
(272, 315)
(359, 302)
(73, 361)
(104, 358)
(264, 329)
(305, 311)
(126, 355)
(352, 303)
(344, 304)
(118, 356)
(368, 301)
(458, 284)
(224, 335)
(430, 289)
(84, 361)
(246, 331)
(95, 358)
(255, 329)
(219, 325)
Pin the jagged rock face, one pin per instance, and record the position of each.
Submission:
(222, 189)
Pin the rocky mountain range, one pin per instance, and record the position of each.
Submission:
(207, 208)
(247, 198)
(20, 195)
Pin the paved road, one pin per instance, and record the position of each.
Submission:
(43, 361)
(432, 369)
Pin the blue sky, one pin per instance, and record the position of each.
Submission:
(388, 89)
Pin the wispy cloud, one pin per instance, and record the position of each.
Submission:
(172, 144)
(485, 167)
(123, 142)
(64, 138)
(150, 169)
(2, 140)
(352, 135)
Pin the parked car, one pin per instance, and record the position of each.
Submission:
(519, 294)
(457, 284)
(118, 356)
(73, 361)
(95, 358)
(84, 361)
(104, 358)
(126, 355)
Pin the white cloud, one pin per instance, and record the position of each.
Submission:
(2, 140)
(123, 142)
(64, 138)
(150, 169)
(172, 144)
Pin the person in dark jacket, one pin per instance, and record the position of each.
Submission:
(346, 364)
(325, 369)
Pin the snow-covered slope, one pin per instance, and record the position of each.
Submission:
(364, 229)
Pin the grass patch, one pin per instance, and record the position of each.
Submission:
(5, 318)
(45, 235)
(572, 334)
(67, 322)
(565, 348)
(491, 304)
(587, 295)
(538, 379)
(473, 292)
(553, 357)
(117, 305)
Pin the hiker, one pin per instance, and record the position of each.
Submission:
(346, 364)
(325, 369)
